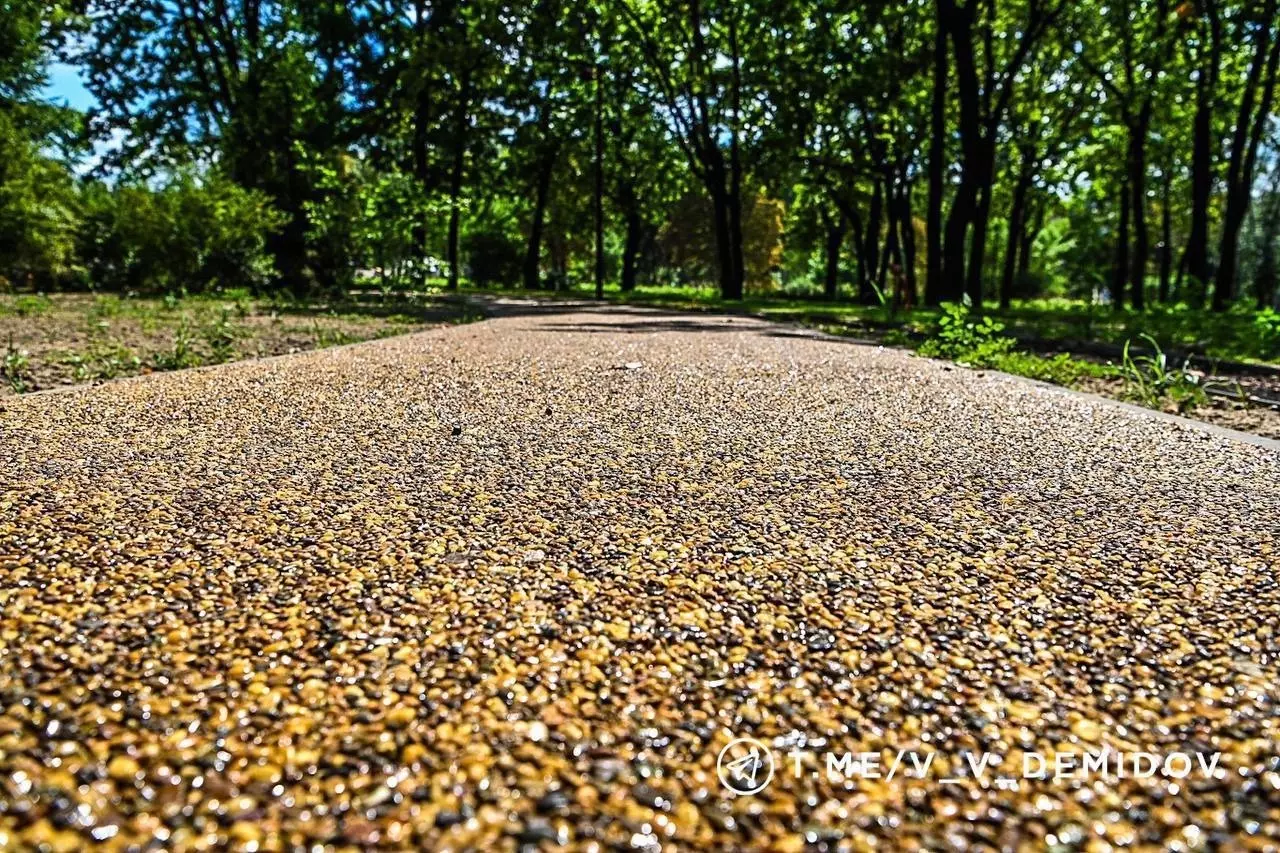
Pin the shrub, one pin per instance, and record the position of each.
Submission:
(192, 234)
(495, 255)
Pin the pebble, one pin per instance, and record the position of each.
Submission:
(267, 606)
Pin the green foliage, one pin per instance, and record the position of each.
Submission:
(960, 338)
(1060, 369)
(15, 368)
(1151, 381)
(182, 354)
(326, 336)
(1267, 325)
(193, 234)
(366, 217)
(38, 208)
(105, 359)
(494, 255)
(31, 305)
(221, 335)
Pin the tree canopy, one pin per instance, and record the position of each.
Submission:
(919, 151)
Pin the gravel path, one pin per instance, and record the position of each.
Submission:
(519, 582)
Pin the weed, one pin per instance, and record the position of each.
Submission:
(104, 360)
(327, 337)
(1150, 381)
(1060, 369)
(221, 334)
(958, 337)
(31, 306)
(16, 368)
(182, 354)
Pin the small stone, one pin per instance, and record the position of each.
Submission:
(401, 716)
(122, 768)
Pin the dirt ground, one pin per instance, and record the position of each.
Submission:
(63, 340)
(1230, 414)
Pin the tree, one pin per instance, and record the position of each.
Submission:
(990, 49)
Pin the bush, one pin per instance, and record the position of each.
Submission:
(495, 256)
(1267, 325)
(193, 234)
(37, 211)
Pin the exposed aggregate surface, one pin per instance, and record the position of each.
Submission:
(281, 603)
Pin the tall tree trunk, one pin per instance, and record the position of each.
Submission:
(729, 288)
(738, 254)
(1120, 273)
(1138, 188)
(421, 164)
(1265, 279)
(460, 127)
(963, 207)
(1249, 130)
(1017, 227)
(934, 288)
(599, 188)
(892, 250)
(871, 246)
(1264, 283)
(908, 227)
(978, 248)
(1197, 253)
(835, 228)
(865, 294)
(533, 254)
(631, 247)
(1166, 234)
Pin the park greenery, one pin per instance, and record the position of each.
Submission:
(1046, 161)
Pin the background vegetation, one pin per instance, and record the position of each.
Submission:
(889, 154)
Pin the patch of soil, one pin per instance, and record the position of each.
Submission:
(1253, 418)
(73, 341)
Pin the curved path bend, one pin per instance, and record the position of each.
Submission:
(518, 583)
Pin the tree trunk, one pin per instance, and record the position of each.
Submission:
(737, 255)
(871, 247)
(1138, 188)
(1120, 273)
(533, 255)
(934, 287)
(599, 188)
(908, 240)
(631, 249)
(723, 232)
(1265, 280)
(865, 295)
(835, 227)
(1202, 178)
(978, 248)
(892, 251)
(460, 126)
(1166, 235)
(1250, 129)
(1017, 225)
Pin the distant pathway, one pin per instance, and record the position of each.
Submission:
(520, 581)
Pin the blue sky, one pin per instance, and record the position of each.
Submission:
(66, 87)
